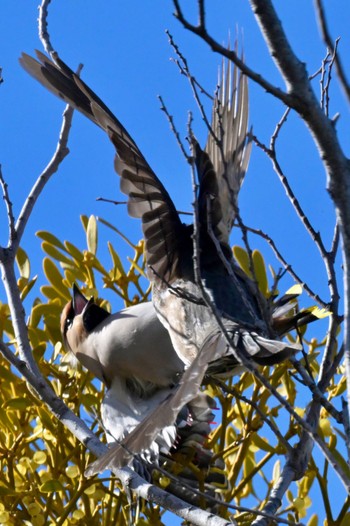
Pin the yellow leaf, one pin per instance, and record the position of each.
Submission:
(74, 252)
(90, 490)
(23, 263)
(345, 521)
(91, 235)
(53, 252)
(5, 517)
(28, 287)
(276, 470)
(300, 505)
(50, 238)
(262, 444)
(40, 457)
(242, 258)
(18, 404)
(313, 521)
(325, 427)
(320, 313)
(5, 421)
(54, 277)
(117, 264)
(260, 272)
(295, 289)
(5, 491)
(78, 514)
(50, 486)
(33, 509)
(72, 472)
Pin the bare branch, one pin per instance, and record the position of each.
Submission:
(60, 153)
(8, 204)
(42, 26)
(297, 461)
(201, 31)
(322, 20)
(185, 70)
(288, 266)
(174, 130)
(232, 390)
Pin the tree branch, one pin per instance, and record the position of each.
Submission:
(321, 17)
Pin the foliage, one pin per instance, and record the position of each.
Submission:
(42, 477)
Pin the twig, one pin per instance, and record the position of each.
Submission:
(173, 129)
(264, 417)
(185, 70)
(296, 465)
(60, 153)
(9, 209)
(329, 78)
(42, 26)
(321, 16)
(60, 410)
(105, 200)
(288, 266)
(201, 31)
(317, 393)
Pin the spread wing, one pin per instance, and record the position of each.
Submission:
(222, 165)
(147, 197)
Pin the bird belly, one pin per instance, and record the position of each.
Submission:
(122, 410)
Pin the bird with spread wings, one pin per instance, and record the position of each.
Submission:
(214, 314)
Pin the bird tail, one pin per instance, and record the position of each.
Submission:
(241, 344)
(195, 474)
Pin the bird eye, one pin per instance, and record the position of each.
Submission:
(68, 324)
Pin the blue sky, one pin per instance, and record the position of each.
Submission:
(126, 58)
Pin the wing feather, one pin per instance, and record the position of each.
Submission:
(147, 197)
(223, 163)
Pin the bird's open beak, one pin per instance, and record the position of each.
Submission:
(79, 301)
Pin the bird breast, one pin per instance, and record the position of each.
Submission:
(133, 343)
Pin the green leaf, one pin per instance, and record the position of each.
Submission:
(23, 263)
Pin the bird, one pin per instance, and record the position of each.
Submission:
(132, 354)
(215, 315)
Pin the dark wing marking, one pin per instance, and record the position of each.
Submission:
(148, 199)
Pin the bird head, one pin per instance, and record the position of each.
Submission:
(79, 318)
